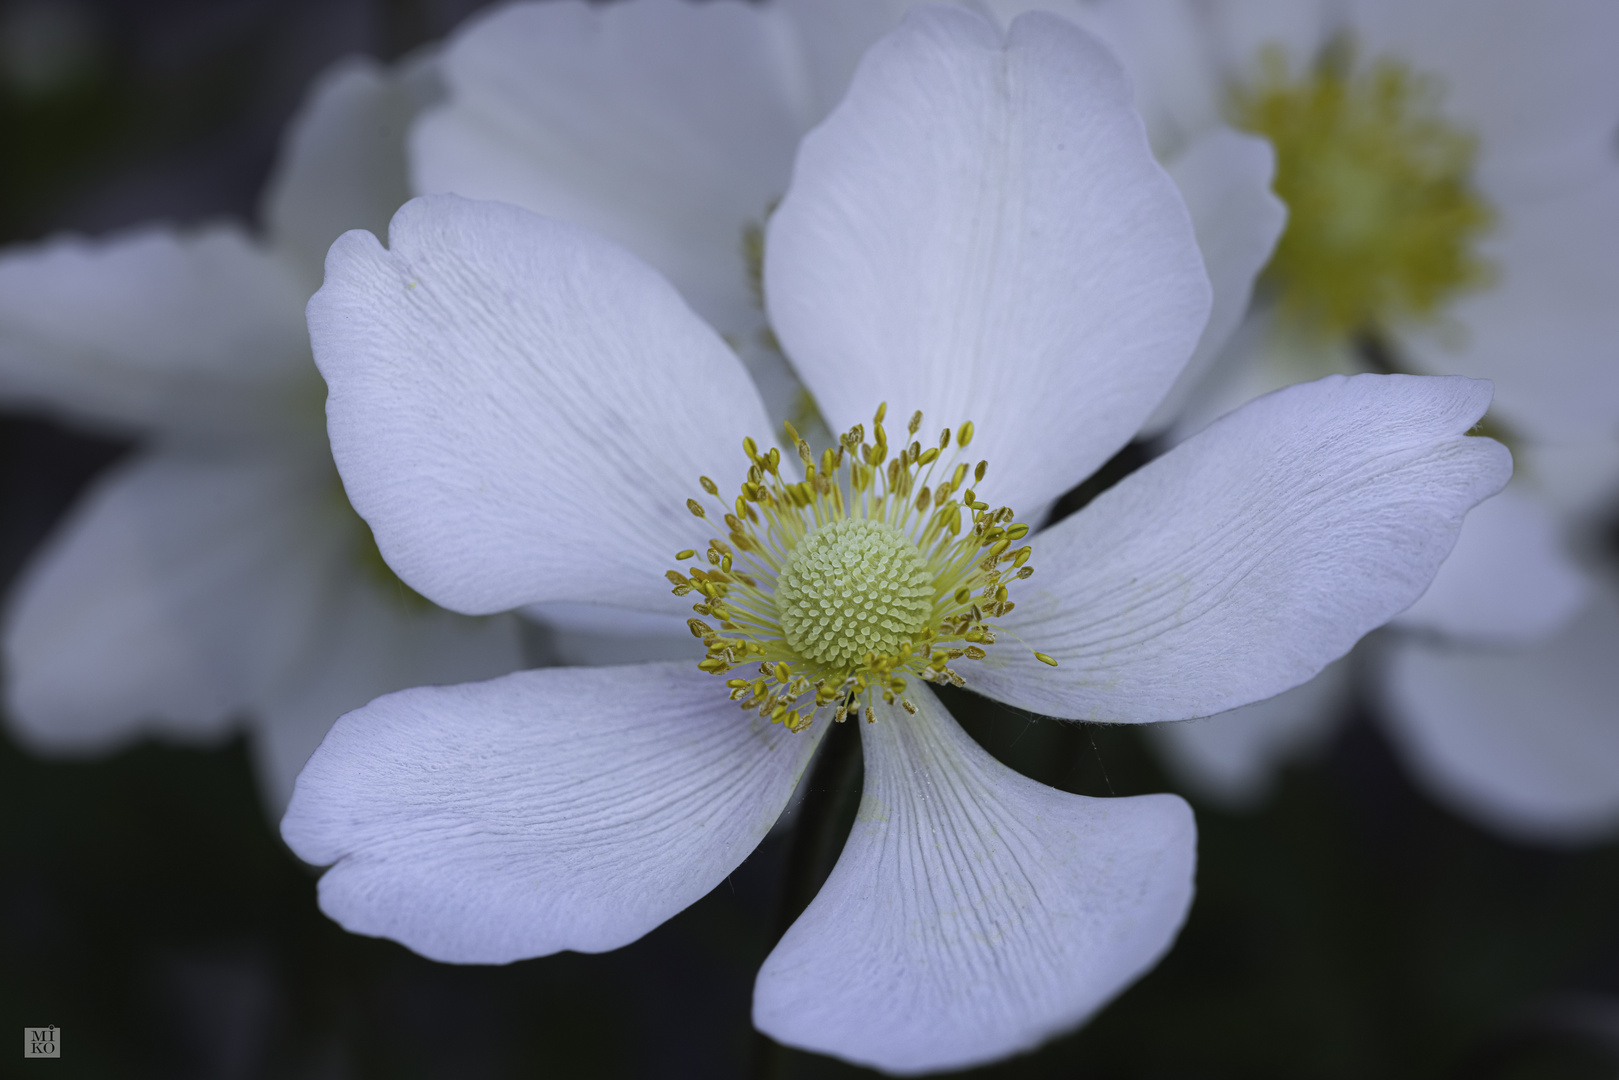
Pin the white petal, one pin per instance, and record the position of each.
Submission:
(166, 600)
(1232, 759)
(1535, 82)
(973, 912)
(1225, 178)
(1509, 580)
(666, 125)
(1524, 742)
(834, 34)
(342, 163)
(565, 808)
(979, 231)
(193, 332)
(1165, 46)
(1264, 355)
(1250, 556)
(1547, 332)
(366, 642)
(521, 409)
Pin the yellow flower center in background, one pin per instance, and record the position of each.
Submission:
(1382, 216)
(841, 585)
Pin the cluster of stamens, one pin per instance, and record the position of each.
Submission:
(843, 584)
(1383, 218)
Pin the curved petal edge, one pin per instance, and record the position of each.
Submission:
(1246, 559)
(973, 913)
(564, 808)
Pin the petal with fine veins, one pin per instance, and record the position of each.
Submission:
(1250, 556)
(1165, 47)
(368, 638)
(666, 125)
(564, 808)
(833, 35)
(973, 912)
(520, 409)
(980, 231)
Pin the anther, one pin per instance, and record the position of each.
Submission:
(842, 600)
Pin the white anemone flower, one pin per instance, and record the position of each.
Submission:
(217, 576)
(670, 127)
(525, 412)
(1454, 208)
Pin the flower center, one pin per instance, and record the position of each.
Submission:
(853, 586)
(1382, 216)
(841, 585)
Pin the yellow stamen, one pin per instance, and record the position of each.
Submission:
(837, 588)
(1383, 219)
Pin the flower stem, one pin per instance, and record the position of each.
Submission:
(830, 802)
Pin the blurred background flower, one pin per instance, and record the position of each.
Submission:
(217, 577)
(1436, 224)
(1348, 926)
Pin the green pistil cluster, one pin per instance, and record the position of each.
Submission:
(1383, 219)
(853, 587)
(842, 584)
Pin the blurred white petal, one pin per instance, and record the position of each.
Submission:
(342, 162)
(1232, 759)
(156, 330)
(1524, 742)
(1508, 580)
(167, 600)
